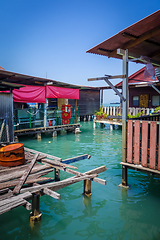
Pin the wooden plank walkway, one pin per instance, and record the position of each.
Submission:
(70, 127)
(111, 122)
(20, 184)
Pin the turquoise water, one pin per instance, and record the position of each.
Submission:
(111, 212)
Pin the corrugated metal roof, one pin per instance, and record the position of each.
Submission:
(141, 39)
(12, 80)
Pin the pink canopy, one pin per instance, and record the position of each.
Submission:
(29, 94)
(59, 92)
(36, 94)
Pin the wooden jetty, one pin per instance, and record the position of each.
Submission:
(111, 120)
(30, 181)
(49, 129)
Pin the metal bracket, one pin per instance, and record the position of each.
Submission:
(106, 79)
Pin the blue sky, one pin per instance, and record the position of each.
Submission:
(49, 38)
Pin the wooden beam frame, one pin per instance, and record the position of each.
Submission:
(138, 40)
(106, 79)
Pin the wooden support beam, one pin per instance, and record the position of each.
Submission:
(25, 175)
(141, 168)
(87, 187)
(141, 38)
(58, 164)
(41, 153)
(133, 37)
(108, 76)
(35, 215)
(28, 181)
(75, 159)
(115, 89)
(106, 79)
(14, 199)
(96, 170)
(51, 193)
(18, 173)
(57, 185)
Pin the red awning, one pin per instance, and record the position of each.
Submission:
(58, 92)
(29, 94)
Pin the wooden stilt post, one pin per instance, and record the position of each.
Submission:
(87, 187)
(38, 136)
(75, 111)
(101, 97)
(35, 215)
(124, 117)
(57, 174)
(111, 127)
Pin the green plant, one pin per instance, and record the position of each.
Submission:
(105, 115)
(157, 109)
(97, 113)
(137, 115)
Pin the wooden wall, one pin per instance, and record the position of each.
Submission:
(89, 101)
(137, 91)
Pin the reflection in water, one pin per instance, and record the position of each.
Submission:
(141, 220)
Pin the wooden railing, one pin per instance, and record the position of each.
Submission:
(143, 144)
(116, 111)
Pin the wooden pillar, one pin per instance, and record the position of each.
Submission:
(94, 124)
(45, 115)
(35, 215)
(125, 117)
(57, 174)
(87, 187)
(111, 127)
(101, 97)
(38, 136)
(54, 134)
(75, 111)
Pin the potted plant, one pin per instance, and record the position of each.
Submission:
(105, 115)
(98, 115)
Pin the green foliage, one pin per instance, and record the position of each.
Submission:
(157, 109)
(100, 111)
(97, 113)
(137, 115)
(105, 115)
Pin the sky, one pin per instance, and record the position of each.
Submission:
(49, 38)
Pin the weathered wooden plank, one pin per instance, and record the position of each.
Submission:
(28, 205)
(97, 170)
(55, 163)
(60, 184)
(28, 181)
(5, 196)
(140, 168)
(75, 159)
(129, 141)
(136, 142)
(25, 175)
(51, 193)
(41, 153)
(153, 137)
(24, 195)
(144, 143)
(12, 205)
(16, 174)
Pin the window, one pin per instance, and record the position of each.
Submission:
(155, 101)
(135, 101)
